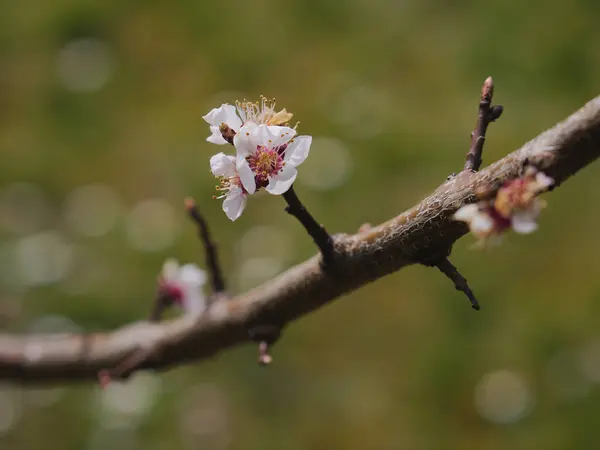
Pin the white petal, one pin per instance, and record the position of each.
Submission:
(246, 175)
(481, 224)
(297, 151)
(281, 182)
(524, 221)
(192, 275)
(466, 213)
(194, 302)
(224, 114)
(222, 165)
(234, 204)
(170, 269)
(278, 135)
(216, 137)
(543, 181)
(244, 140)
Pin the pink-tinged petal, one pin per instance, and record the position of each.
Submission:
(297, 150)
(170, 269)
(246, 175)
(524, 221)
(216, 137)
(192, 275)
(466, 213)
(222, 165)
(244, 140)
(281, 182)
(224, 114)
(234, 203)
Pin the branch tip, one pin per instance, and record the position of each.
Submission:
(210, 247)
(264, 358)
(487, 114)
(487, 90)
(460, 282)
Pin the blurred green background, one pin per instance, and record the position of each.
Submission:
(101, 138)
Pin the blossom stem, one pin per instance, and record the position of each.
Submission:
(127, 366)
(320, 236)
(460, 282)
(487, 114)
(161, 303)
(212, 260)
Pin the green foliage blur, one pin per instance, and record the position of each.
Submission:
(101, 138)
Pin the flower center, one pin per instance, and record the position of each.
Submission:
(266, 162)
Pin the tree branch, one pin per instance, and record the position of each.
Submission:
(487, 114)
(460, 282)
(212, 261)
(317, 231)
(410, 238)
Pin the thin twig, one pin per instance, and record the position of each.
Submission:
(126, 367)
(460, 282)
(318, 233)
(212, 261)
(487, 114)
(161, 303)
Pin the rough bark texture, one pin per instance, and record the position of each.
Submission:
(422, 234)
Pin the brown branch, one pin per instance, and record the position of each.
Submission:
(317, 232)
(460, 282)
(212, 260)
(487, 114)
(424, 230)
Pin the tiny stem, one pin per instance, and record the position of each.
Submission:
(126, 366)
(320, 236)
(460, 282)
(161, 303)
(212, 260)
(487, 114)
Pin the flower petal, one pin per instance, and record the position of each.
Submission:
(216, 137)
(222, 165)
(194, 302)
(224, 114)
(481, 224)
(234, 204)
(244, 141)
(192, 275)
(170, 269)
(278, 135)
(246, 175)
(281, 182)
(524, 221)
(297, 150)
(543, 181)
(466, 213)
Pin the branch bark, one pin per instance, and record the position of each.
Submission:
(414, 236)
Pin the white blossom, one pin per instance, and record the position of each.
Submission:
(230, 119)
(223, 166)
(184, 285)
(267, 156)
(515, 206)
